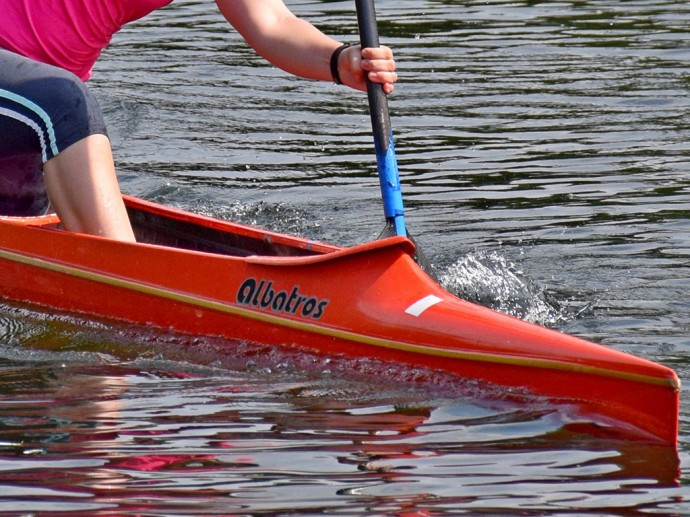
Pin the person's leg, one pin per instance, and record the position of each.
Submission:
(60, 120)
(83, 189)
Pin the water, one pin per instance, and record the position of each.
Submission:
(543, 150)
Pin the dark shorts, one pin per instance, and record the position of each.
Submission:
(43, 110)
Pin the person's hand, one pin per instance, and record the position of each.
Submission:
(378, 63)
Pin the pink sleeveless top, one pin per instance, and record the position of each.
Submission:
(67, 33)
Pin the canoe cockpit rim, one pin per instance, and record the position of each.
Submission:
(48, 220)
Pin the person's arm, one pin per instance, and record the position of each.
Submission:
(299, 48)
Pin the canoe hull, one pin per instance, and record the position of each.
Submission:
(367, 301)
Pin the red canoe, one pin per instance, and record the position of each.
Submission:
(203, 276)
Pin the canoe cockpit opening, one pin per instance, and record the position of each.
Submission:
(23, 199)
(160, 229)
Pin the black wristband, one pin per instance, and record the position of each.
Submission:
(334, 63)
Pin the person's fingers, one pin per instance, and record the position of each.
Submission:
(375, 63)
(385, 78)
(381, 52)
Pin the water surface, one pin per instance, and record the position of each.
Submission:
(543, 151)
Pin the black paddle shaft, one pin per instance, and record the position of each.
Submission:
(378, 102)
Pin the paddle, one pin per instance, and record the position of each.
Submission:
(383, 141)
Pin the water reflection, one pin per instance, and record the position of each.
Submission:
(178, 441)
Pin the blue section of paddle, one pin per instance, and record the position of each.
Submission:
(390, 185)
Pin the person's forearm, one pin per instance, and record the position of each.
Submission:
(284, 40)
(300, 49)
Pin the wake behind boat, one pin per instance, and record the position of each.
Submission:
(203, 276)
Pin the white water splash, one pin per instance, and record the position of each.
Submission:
(489, 279)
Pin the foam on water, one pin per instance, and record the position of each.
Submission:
(490, 279)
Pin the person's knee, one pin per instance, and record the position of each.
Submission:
(73, 109)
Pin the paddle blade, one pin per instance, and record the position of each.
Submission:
(419, 256)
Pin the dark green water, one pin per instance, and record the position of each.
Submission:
(543, 148)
